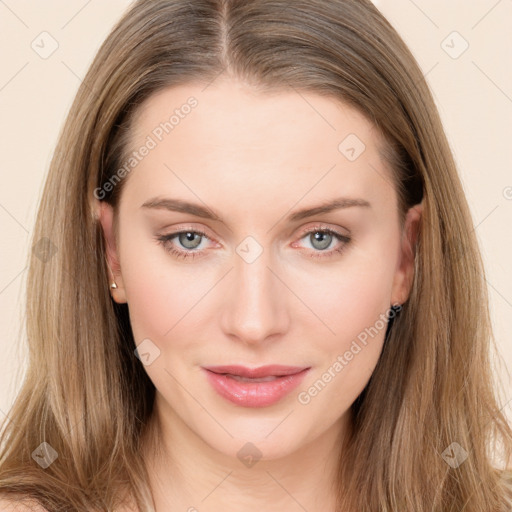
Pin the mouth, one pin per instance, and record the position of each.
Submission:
(258, 387)
(268, 372)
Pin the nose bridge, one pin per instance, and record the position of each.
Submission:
(256, 307)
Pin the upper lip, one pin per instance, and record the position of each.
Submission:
(255, 373)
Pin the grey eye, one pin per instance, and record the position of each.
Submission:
(186, 239)
(320, 239)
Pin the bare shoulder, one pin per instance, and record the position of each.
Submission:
(19, 505)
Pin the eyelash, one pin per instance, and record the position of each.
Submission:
(182, 254)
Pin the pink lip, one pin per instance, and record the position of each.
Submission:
(255, 394)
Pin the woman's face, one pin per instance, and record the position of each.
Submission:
(265, 284)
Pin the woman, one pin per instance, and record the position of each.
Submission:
(263, 290)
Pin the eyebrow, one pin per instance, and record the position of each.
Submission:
(178, 205)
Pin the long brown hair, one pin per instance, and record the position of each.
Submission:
(87, 395)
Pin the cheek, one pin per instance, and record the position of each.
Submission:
(158, 293)
(350, 295)
(161, 306)
(354, 307)
(351, 300)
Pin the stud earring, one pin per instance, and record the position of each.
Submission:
(113, 286)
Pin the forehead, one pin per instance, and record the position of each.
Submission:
(244, 142)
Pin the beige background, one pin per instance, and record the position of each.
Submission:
(473, 90)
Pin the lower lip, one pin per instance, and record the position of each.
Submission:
(254, 394)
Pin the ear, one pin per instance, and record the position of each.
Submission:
(105, 215)
(404, 274)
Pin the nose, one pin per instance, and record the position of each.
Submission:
(256, 305)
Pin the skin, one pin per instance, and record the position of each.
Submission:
(254, 158)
